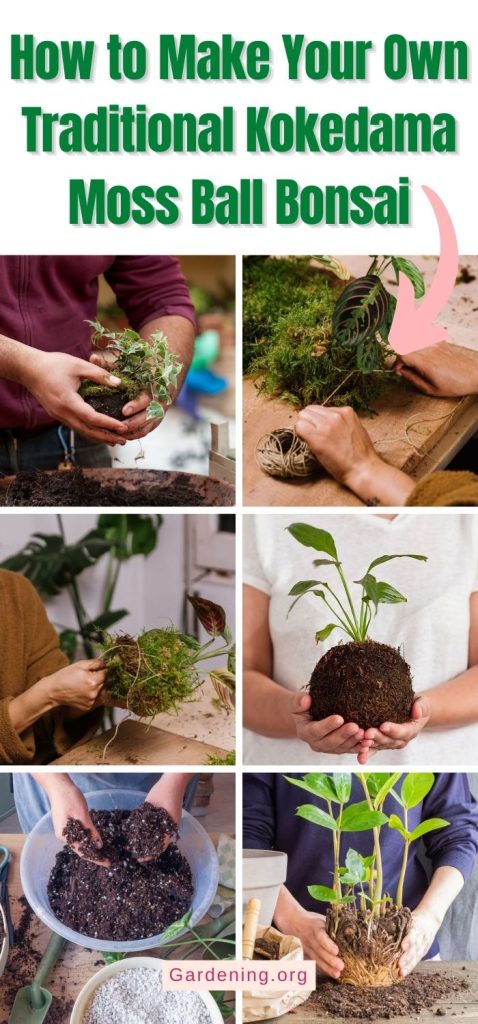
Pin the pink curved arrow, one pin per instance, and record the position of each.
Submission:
(412, 326)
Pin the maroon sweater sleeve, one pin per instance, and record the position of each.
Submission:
(150, 286)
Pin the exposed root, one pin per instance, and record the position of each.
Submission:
(369, 946)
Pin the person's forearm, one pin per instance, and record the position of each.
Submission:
(444, 887)
(267, 708)
(455, 702)
(29, 706)
(375, 482)
(15, 360)
(288, 912)
(53, 783)
(180, 334)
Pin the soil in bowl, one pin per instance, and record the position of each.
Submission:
(407, 998)
(74, 488)
(370, 947)
(367, 683)
(126, 901)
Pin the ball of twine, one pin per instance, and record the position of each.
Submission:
(282, 454)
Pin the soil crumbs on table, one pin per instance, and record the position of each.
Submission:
(415, 993)
(22, 963)
(123, 902)
(74, 489)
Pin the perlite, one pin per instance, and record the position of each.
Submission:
(135, 996)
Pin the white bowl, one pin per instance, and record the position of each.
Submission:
(83, 1000)
(5, 946)
(42, 846)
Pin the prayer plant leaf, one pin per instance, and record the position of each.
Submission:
(401, 265)
(415, 787)
(312, 537)
(211, 616)
(316, 783)
(316, 816)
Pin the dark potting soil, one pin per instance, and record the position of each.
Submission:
(127, 900)
(75, 489)
(264, 949)
(145, 830)
(405, 999)
(366, 683)
(22, 963)
(109, 402)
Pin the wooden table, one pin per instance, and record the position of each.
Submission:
(77, 964)
(461, 1006)
(411, 431)
(138, 744)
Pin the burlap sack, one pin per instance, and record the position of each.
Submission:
(270, 1003)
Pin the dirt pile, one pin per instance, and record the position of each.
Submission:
(75, 489)
(23, 960)
(405, 999)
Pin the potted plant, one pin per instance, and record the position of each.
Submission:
(364, 681)
(367, 924)
(141, 365)
(158, 670)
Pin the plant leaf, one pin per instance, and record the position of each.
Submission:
(385, 788)
(389, 558)
(302, 587)
(375, 780)
(428, 826)
(395, 823)
(211, 616)
(380, 593)
(415, 787)
(322, 634)
(104, 621)
(305, 590)
(316, 816)
(356, 867)
(327, 895)
(68, 639)
(316, 783)
(359, 818)
(343, 785)
(224, 684)
(177, 927)
(312, 537)
(400, 264)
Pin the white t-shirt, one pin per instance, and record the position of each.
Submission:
(431, 629)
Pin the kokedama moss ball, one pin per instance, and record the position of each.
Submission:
(151, 673)
(367, 683)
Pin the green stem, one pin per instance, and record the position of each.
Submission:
(336, 844)
(376, 885)
(399, 896)
(349, 629)
(347, 591)
(75, 597)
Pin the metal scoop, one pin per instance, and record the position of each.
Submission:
(33, 1002)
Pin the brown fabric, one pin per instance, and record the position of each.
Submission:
(29, 651)
(445, 488)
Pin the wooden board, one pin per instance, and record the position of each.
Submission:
(462, 1006)
(139, 744)
(77, 964)
(408, 432)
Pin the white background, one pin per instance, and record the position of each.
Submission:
(34, 194)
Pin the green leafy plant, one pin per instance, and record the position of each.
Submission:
(161, 669)
(310, 338)
(357, 886)
(141, 365)
(353, 618)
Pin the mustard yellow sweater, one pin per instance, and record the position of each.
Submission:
(29, 651)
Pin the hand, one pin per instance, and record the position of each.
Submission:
(329, 736)
(391, 736)
(442, 370)
(168, 793)
(416, 944)
(340, 443)
(76, 686)
(318, 946)
(54, 379)
(135, 424)
(67, 801)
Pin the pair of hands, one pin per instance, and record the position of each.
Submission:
(334, 736)
(318, 946)
(76, 686)
(343, 446)
(54, 379)
(68, 801)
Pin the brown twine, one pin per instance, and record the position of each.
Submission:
(409, 426)
(282, 454)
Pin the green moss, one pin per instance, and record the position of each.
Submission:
(229, 759)
(89, 388)
(152, 673)
(289, 349)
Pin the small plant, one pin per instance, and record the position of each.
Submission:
(310, 337)
(348, 680)
(367, 923)
(159, 670)
(141, 365)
